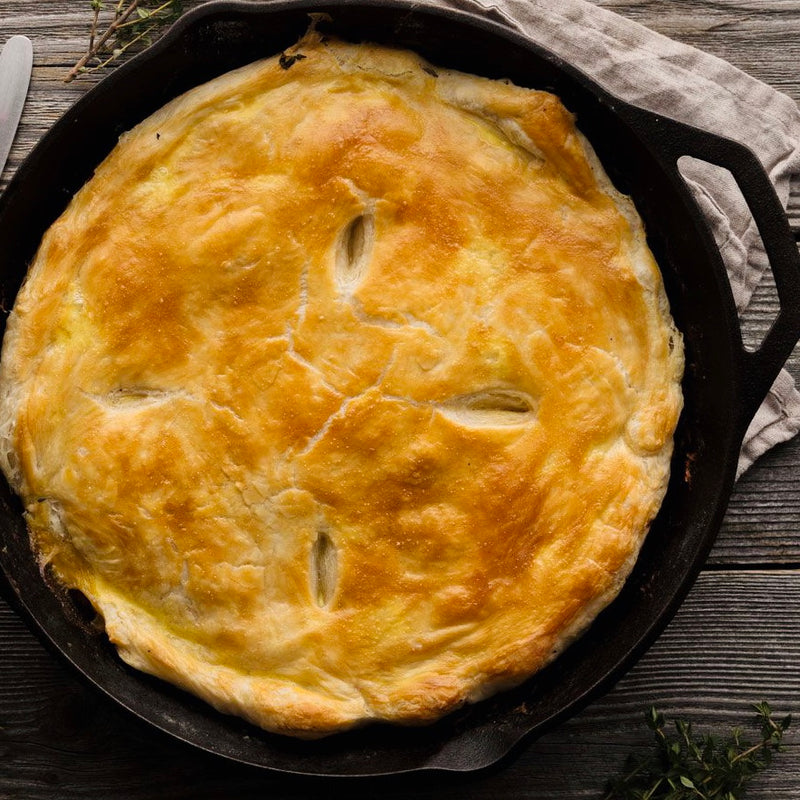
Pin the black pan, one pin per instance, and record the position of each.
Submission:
(723, 387)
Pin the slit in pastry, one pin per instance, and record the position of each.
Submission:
(491, 407)
(324, 568)
(354, 250)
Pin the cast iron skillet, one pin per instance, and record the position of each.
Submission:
(723, 387)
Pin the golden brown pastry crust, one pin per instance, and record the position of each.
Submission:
(344, 391)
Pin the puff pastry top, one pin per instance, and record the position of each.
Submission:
(345, 389)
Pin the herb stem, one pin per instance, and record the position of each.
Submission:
(685, 767)
(93, 29)
(154, 13)
(120, 17)
(131, 21)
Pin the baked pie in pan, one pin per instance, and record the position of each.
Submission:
(345, 389)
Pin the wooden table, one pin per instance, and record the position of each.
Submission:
(736, 639)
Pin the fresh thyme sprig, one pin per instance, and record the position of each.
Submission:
(127, 24)
(684, 767)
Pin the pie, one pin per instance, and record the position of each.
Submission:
(345, 390)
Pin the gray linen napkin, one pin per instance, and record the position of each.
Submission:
(679, 81)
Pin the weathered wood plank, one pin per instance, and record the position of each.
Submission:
(764, 512)
(758, 36)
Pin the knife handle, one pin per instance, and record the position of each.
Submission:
(16, 62)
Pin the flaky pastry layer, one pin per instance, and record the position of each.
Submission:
(345, 389)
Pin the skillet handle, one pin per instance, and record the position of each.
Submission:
(757, 369)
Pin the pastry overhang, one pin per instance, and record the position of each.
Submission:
(345, 389)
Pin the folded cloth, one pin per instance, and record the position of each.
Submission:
(681, 82)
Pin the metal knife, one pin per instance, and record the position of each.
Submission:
(16, 62)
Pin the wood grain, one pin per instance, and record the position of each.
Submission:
(734, 641)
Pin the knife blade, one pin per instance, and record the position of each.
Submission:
(16, 62)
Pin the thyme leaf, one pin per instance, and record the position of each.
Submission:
(683, 766)
(120, 25)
